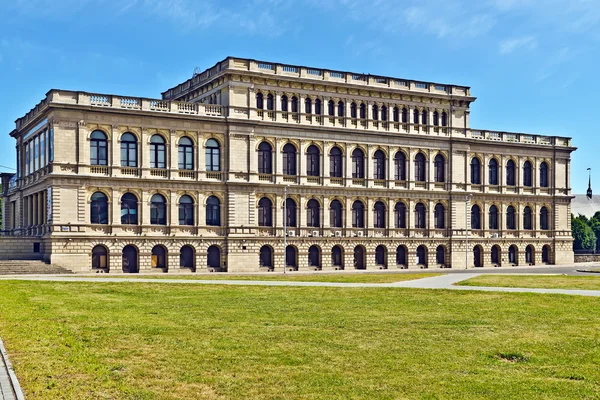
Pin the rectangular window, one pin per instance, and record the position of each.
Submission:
(26, 159)
(421, 85)
(43, 149)
(36, 150)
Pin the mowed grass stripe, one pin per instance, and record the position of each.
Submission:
(144, 341)
(535, 281)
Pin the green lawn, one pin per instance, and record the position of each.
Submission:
(318, 277)
(147, 341)
(536, 281)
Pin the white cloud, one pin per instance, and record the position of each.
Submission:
(511, 45)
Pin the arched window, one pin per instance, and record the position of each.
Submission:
(340, 109)
(308, 105)
(527, 174)
(444, 119)
(375, 110)
(439, 168)
(330, 108)
(400, 215)
(158, 152)
(384, 115)
(265, 212)
(289, 159)
(475, 171)
(400, 166)
(337, 256)
(512, 254)
(270, 105)
(335, 214)
(527, 220)
(493, 172)
(259, 101)
(546, 254)
(359, 257)
(159, 257)
(422, 256)
(318, 107)
(213, 211)
(98, 146)
(130, 259)
(265, 158)
(313, 214)
(424, 119)
(511, 222)
(420, 168)
(358, 163)
(314, 256)
(477, 259)
(416, 116)
(379, 164)
(294, 104)
(436, 118)
(213, 155)
(291, 257)
(99, 208)
(187, 257)
(401, 256)
(420, 216)
(396, 114)
(128, 150)
(544, 219)
(363, 111)
(379, 215)
(380, 255)
(313, 161)
(290, 213)
(353, 110)
(129, 206)
(439, 216)
(158, 210)
(544, 174)
(495, 255)
(404, 115)
(358, 214)
(266, 257)
(186, 210)
(284, 103)
(529, 255)
(335, 163)
(493, 217)
(440, 255)
(185, 151)
(510, 173)
(476, 217)
(99, 257)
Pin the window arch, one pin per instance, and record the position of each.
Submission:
(439, 168)
(420, 216)
(270, 103)
(158, 210)
(337, 256)
(530, 255)
(396, 114)
(259, 101)
(420, 167)
(294, 104)
(353, 110)
(379, 215)
(400, 166)
(400, 215)
(186, 210)
(510, 173)
(363, 111)
(289, 159)
(213, 211)
(98, 148)
(495, 256)
(493, 217)
(159, 257)
(375, 111)
(336, 214)
(381, 256)
(475, 171)
(436, 118)
(440, 255)
(187, 257)
(416, 116)
(265, 212)
(266, 257)
(404, 115)
(318, 110)
(512, 255)
(544, 174)
(422, 256)
(99, 208)
(401, 256)
(546, 254)
(213, 155)
(308, 105)
(493, 172)
(424, 117)
(129, 209)
(544, 219)
(158, 152)
(510, 218)
(358, 214)
(439, 216)
(291, 213)
(358, 163)
(340, 109)
(527, 174)
(331, 108)
(335, 162)
(444, 119)
(314, 256)
(527, 220)
(384, 113)
(313, 214)
(284, 103)
(291, 257)
(185, 152)
(265, 158)
(99, 257)
(476, 217)
(313, 161)
(379, 165)
(128, 150)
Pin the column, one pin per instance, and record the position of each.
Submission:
(115, 202)
(278, 158)
(326, 167)
(301, 162)
(369, 165)
(115, 144)
(369, 214)
(391, 173)
(143, 155)
(325, 214)
(200, 152)
(348, 159)
(173, 209)
(302, 214)
(252, 159)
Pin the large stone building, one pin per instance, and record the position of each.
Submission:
(379, 173)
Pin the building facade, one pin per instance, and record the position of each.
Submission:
(256, 166)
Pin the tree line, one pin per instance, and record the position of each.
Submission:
(586, 232)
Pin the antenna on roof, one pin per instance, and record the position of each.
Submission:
(197, 71)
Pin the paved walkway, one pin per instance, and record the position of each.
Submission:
(9, 385)
(436, 282)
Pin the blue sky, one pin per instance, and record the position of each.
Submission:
(532, 64)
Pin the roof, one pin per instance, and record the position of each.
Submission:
(582, 205)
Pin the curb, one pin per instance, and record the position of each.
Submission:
(16, 387)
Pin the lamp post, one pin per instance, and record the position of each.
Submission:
(467, 230)
(285, 228)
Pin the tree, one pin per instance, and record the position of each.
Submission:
(594, 223)
(583, 234)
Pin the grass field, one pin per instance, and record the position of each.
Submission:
(536, 281)
(147, 341)
(341, 278)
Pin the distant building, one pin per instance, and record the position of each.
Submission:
(582, 204)
(381, 173)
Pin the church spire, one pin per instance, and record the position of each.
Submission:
(589, 191)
